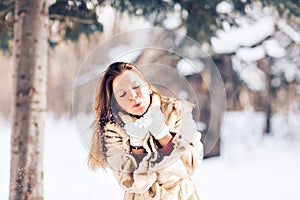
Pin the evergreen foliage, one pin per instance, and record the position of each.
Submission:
(202, 20)
(76, 17)
(6, 25)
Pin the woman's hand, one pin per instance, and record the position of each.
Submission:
(137, 133)
(156, 122)
(155, 119)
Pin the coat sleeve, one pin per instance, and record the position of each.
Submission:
(123, 164)
(188, 139)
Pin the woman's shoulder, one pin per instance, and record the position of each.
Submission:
(111, 126)
(112, 129)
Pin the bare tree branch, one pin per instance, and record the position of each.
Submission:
(74, 19)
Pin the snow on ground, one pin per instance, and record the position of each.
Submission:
(251, 166)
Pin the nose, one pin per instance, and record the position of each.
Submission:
(132, 94)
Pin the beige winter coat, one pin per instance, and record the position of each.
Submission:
(157, 176)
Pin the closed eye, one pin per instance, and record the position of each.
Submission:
(122, 94)
(136, 85)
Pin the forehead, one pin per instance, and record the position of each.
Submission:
(125, 79)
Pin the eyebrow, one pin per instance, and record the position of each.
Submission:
(119, 90)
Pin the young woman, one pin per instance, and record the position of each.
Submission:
(149, 141)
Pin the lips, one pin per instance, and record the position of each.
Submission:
(136, 105)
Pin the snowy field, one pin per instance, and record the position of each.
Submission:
(251, 166)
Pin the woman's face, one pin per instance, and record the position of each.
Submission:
(131, 92)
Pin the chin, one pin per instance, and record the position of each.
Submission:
(139, 112)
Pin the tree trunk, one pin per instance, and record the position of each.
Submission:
(29, 103)
(264, 65)
(213, 109)
(231, 84)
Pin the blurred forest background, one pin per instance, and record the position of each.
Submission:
(254, 44)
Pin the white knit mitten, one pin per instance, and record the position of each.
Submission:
(157, 125)
(136, 132)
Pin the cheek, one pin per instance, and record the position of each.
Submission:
(123, 103)
(145, 93)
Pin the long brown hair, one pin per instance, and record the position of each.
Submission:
(106, 110)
